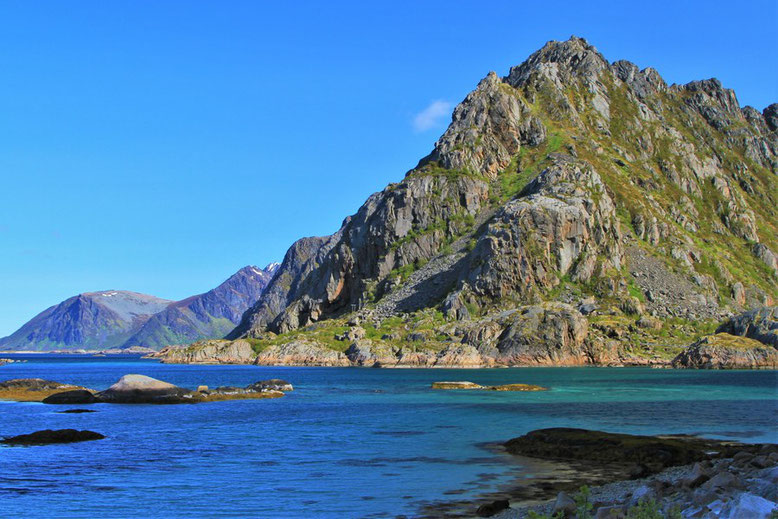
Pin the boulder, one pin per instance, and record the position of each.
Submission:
(748, 506)
(53, 436)
(75, 396)
(140, 389)
(564, 505)
(697, 477)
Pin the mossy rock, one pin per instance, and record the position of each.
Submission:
(456, 385)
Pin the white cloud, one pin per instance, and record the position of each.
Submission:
(431, 116)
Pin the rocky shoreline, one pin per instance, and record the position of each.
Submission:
(659, 476)
(540, 335)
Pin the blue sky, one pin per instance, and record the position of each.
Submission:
(160, 146)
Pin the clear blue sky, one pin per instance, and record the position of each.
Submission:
(160, 146)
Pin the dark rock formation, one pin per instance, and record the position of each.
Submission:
(49, 436)
(654, 453)
(77, 396)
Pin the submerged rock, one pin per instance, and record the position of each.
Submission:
(77, 411)
(53, 436)
(472, 385)
(517, 387)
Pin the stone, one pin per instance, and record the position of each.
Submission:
(202, 389)
(564, 505)
(697, 477)
(49, 436)
(748, 506)
(723, 481)
(610, 512)
(643, 493)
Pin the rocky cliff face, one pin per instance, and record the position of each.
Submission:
(210, 315)
(649, 210)
(91, 321)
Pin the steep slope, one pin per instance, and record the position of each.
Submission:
(205, 316)
(583, 200)
(91, 320)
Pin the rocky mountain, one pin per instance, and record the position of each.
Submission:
(205, 316)
(575, 211)
(90, 321)
(121, 319)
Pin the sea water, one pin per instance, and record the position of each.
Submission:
(347, 442)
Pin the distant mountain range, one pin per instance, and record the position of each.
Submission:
(122, 319)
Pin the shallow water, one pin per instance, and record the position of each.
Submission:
(347, 442)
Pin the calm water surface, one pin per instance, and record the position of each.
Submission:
(347, 442)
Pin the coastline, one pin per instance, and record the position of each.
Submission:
(694, 488)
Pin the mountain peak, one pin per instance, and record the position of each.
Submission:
(559, 60)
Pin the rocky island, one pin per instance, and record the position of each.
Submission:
(135, 389)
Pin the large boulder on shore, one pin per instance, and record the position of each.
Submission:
(140, 389)
(725, 351)
(760, 324)
(53, 436)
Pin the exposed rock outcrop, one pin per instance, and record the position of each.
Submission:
(50, 436)
(760, 324)
(33, 389)
(725, 351)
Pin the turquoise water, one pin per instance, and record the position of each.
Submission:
(347, 442)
